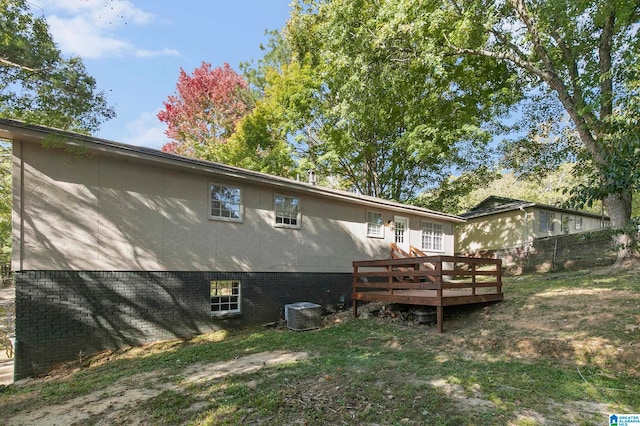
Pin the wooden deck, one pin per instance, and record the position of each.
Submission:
(427, 280)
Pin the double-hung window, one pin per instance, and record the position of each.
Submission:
(225, 202)
(287, 211)
(432, 236)
(225, 297)
(547, 221)
(375, 227)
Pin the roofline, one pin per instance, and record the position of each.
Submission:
(15, 129)
(527, 204)
(499, 198)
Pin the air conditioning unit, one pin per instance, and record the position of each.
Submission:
(302, 316)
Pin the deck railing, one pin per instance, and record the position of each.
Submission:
(447, 280)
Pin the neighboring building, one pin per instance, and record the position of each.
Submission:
(118, 245)
(505, 227)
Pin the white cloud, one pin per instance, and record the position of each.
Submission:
(78, 37)
(141, 53)
(88, 28)
(146, 130)
(102, 13)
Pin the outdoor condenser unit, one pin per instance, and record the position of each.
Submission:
(302, 316)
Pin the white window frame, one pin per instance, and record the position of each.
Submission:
(239, 203)
(229, 296)
(548, 222)
(578, 223)
(432, 236)
(283, 213)
(377, 224)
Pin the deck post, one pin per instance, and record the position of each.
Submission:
(473, 279)
(354, 289)
(499, 275)
(439, 314)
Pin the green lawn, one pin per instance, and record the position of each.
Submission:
(560, 349)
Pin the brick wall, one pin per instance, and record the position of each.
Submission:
(61, 315)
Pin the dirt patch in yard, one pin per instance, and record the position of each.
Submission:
(554, 349)
(106, 405)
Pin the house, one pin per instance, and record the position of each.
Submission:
(504, 226)
(117, 245)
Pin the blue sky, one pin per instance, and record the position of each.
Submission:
(136, 48)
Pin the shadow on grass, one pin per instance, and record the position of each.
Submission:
(376, 371)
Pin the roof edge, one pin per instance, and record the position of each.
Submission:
(16, 128)
(529, 204)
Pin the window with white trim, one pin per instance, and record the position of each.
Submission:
(225, 297)
(547, 221)
(578, 223)
(225, 202)
(375, 226)
(432, 236)
(287, 211)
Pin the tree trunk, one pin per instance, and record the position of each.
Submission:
(619, 209)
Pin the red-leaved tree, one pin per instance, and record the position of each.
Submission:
(205, 109)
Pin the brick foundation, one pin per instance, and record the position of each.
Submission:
(61, 315)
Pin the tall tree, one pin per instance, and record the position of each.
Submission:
(377, 112)
(38, 84)
(203, 113)
(277, 54)
(580, 57)
(213, 116)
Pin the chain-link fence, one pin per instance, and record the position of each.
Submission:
(7, 311)
(559, 252)
(7, 328)
(576, 251)
(6, 276)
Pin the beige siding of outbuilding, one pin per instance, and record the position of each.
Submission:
(515, 228)
(501, 230)
(589, 223)
(98, 211)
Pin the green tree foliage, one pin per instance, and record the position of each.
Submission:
(577, 60)
(214, 116)
(277, 53)
(257, 145)
(455, 194)
(5, 202)
(427, 75)
(458, 194)
(39, 85)
(374, 111)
